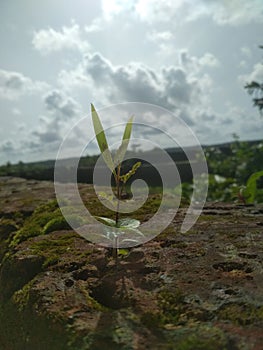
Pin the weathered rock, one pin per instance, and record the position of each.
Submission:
(16, 271)
(199, 290)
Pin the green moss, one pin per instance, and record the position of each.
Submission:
(52, 249)
(18, 216)
(51, 260)
(170, 303)
(46, 218)
(7, 226)
(23, 327)
(95, 207)
(204, 338)
(169, 231)
(61, 243)
(21, 297)
(58, 223)
(17, 271)
(241, 314)
(92, 303)
(152, 319)
(150, 207)
(180, 245)
(7, 229)
(208, 218)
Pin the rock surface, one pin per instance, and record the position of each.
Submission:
(199, 290)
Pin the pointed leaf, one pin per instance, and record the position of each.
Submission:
(128, 223)
(251, 187)
(124, 145)
(131, 231)
(101, 139)
(128, 129)
(106, 221)
(130, 240)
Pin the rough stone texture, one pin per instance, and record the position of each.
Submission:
(199, 290)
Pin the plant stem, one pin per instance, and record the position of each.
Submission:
(115, 250)
(118, 194)
(117, 180)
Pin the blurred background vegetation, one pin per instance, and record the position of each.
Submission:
(230, 165)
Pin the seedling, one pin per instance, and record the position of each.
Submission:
(114, 164)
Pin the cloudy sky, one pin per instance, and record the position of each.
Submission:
(191, 57)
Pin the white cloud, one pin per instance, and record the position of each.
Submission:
(115, 7)
(49, 40)
(236, 12)
(137, 82)
(46, 135)
(16, 111)
(71, 79)
(158, 10)
(7, 146)
(243, 64)
(64, 107)
(161, 36)
(95, 26)
(15, 84)
(195, 64)
(61, 113)
(179, 89)
(232, 12)
(246, 54)
(255, 75)
(246, 51)
(209, 60)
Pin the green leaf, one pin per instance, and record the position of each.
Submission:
(251, 187)
(123, 251)
(106, 221)
(124, 178)
(125, 142)
(101, 139)
(128, 223)
(129, 240)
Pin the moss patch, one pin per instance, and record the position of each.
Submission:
(241, 314)
(170, 303)
(52, 249)
(203, 338)
(45, 218)
(21, 297)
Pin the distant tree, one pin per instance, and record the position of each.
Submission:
(255, 89)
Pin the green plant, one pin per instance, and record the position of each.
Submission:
(230, 167)
(250, 193)
(255, 89)
(114, 164)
